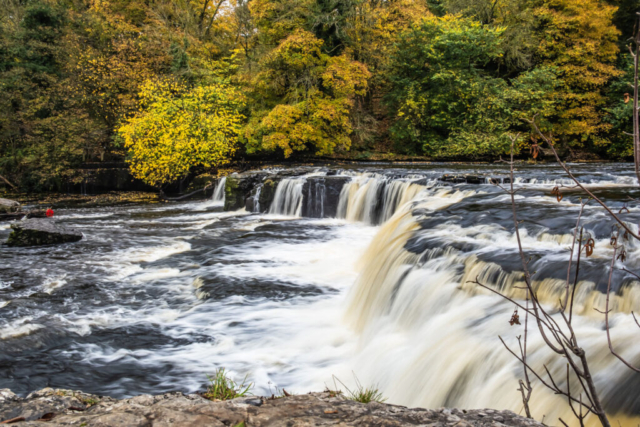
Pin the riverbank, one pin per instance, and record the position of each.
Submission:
(59, 407)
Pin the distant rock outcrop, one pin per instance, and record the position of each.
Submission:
(69, 408)
(8, 206)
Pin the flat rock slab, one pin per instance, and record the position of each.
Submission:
(177, 409)
(41, 231)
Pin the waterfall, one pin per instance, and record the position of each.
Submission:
(256, 198)
(288, 197)
(430, 338)
(218, 193)
(373, 198)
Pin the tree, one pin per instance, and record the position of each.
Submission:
(179, 128)
(307, 98)
(519, 41)
(42, 126)
(578, 38)
(448, 104)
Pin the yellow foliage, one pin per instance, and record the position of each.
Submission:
(179, 128)
(317, 94)
(579, 39)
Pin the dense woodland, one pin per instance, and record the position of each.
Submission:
(172, 85)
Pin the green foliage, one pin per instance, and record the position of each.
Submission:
(222, 387)
(179, 128)
(360, 393)
(619, 114)
(447, 104)
(366, 395)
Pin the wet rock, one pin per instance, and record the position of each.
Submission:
(238, 188)
(8, 206)
(455, 179)
(268, 192)
(11, 216)
(474, 179)
(321, 195)
(37, 232)
(177, 409)
(252, 203)
(37, 214)
(206, 183)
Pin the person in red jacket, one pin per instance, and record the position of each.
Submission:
(49, 213)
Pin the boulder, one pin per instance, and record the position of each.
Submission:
(41, 231)
(9, 206)
(69, 408)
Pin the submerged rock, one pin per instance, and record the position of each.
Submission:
(9, 206)
(65, 407)
(41, 231)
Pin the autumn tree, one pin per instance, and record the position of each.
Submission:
(181, 127)
(307, 97)
(578, 38)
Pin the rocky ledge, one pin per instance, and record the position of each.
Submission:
(72, 408)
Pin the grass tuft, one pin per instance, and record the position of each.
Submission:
(366, 395)
(360, 393)
(222, 387)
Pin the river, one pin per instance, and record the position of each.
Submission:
(156, 296)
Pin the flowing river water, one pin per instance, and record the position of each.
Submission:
(156, 296)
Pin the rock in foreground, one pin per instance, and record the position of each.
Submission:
(41, 231)
(66, 408)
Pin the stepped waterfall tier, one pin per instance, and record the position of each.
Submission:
(295, 277)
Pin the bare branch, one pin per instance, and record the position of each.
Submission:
(606, 315)
(593, 196)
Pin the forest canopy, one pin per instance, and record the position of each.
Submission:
(172, 85)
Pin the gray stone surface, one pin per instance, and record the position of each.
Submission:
(9, 206)
(41, 231)
(176, 409)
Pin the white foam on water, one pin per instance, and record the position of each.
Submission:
(52, 283)
(18, 328)
(299, 340)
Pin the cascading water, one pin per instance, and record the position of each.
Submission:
(218, 194)
(415, 294)
(362, 271)
(288, 197)
(373, 198)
